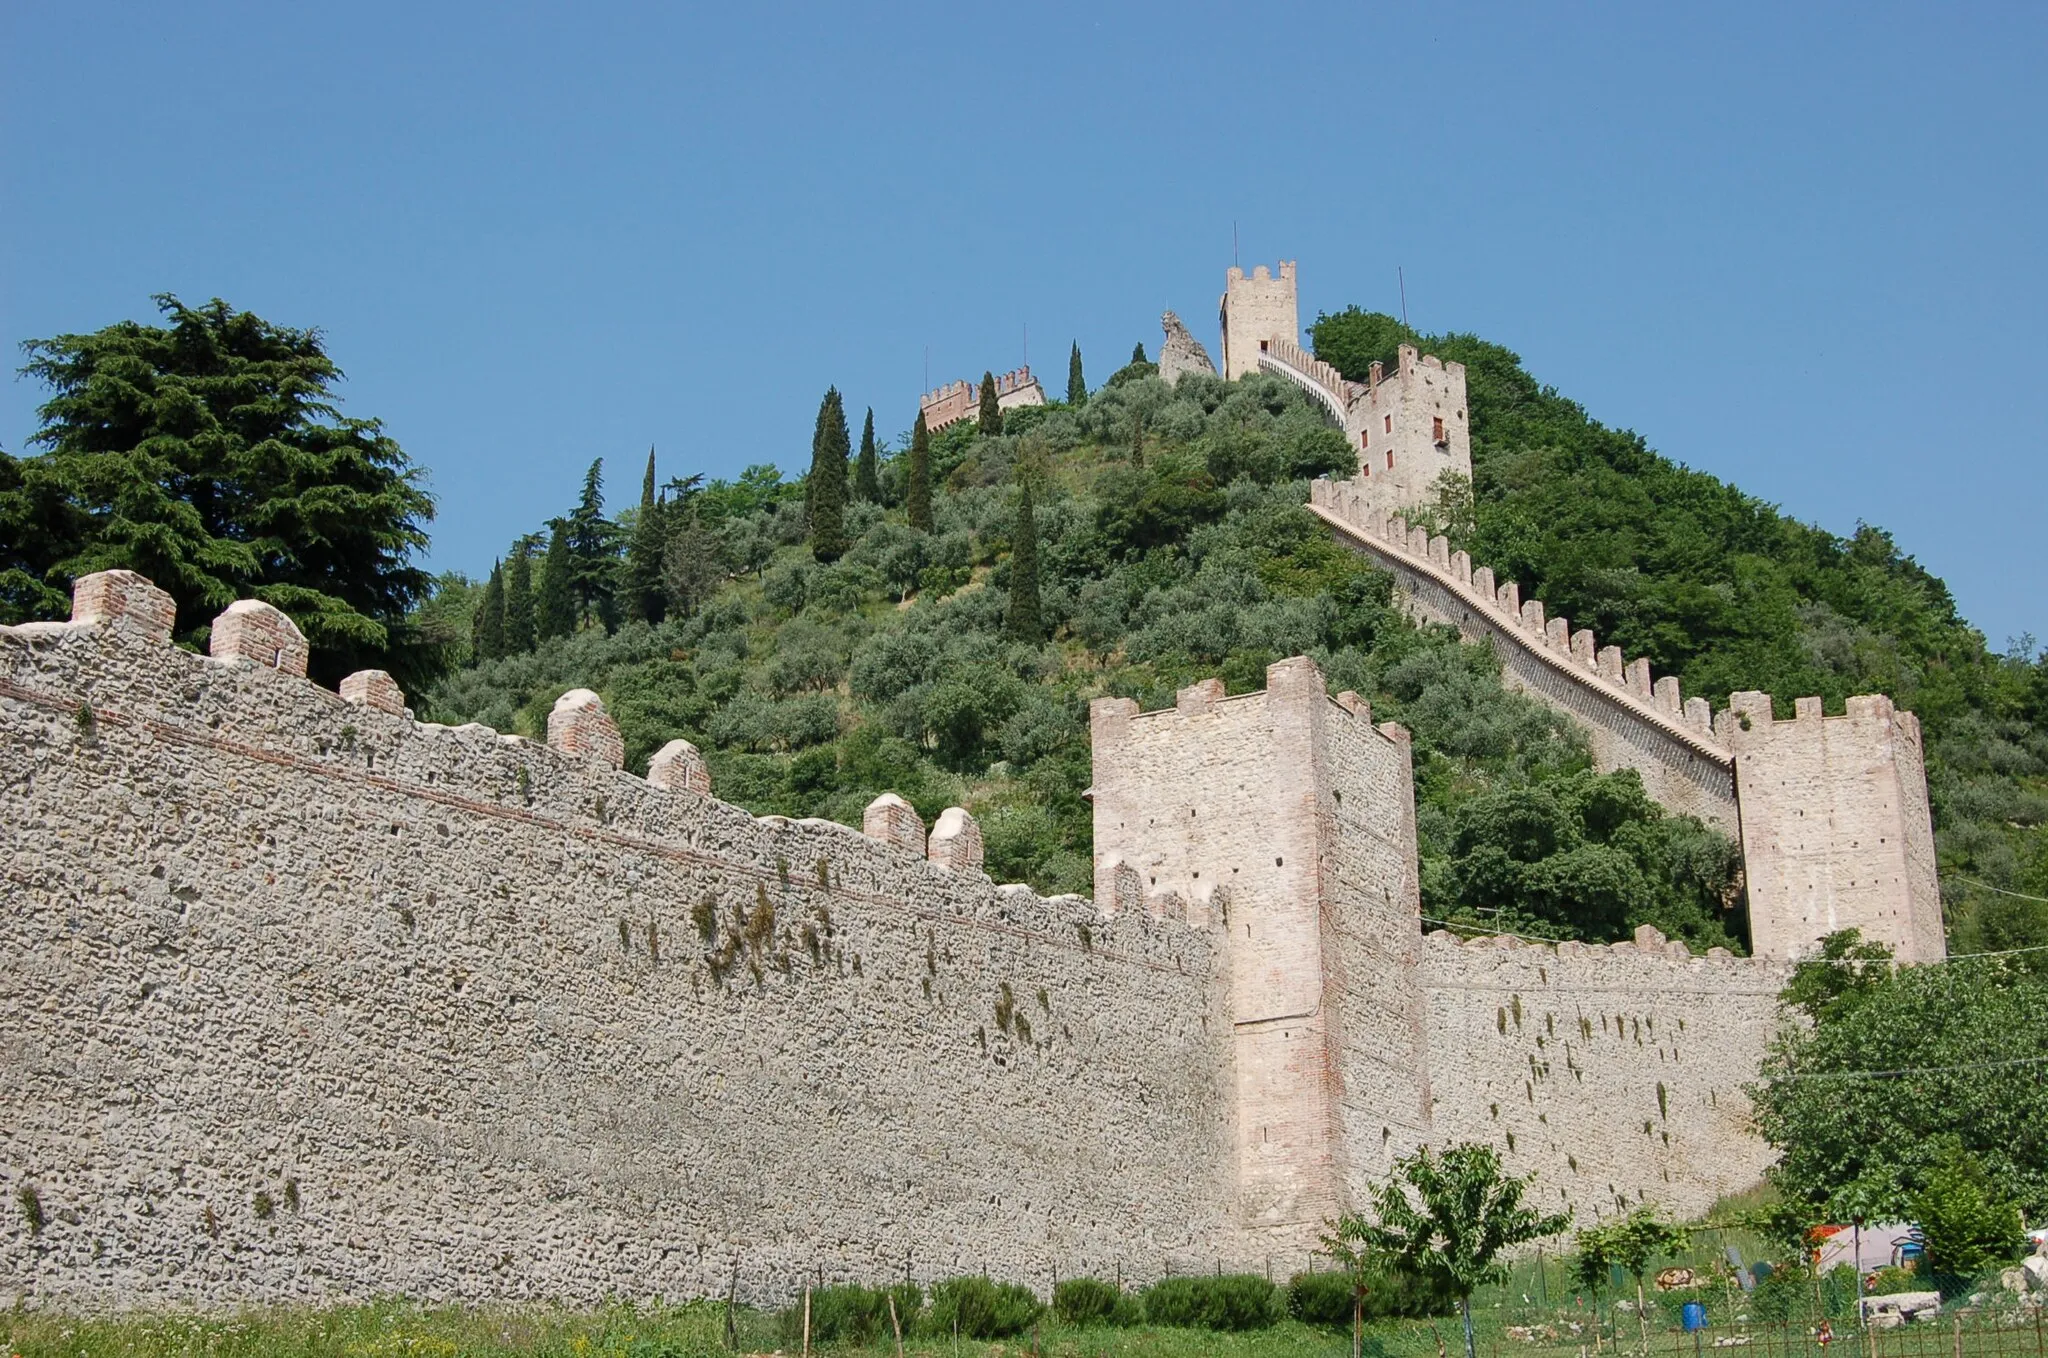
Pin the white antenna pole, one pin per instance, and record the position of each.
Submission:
(1233, 245)
(1027, 344)
(1402, 277)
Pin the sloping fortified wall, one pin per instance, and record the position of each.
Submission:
(306, 1000)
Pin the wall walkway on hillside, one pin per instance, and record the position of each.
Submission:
(1631, 721)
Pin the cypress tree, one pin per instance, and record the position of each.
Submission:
(555, 611)
(991, 412)
(1077, 386)
(489, 632)
(867, 469)
(917, 498)
(644, 599)
(825, 490)
(519, 599)
(1138, 353)
(1024, 621)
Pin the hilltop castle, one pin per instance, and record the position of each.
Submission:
(957, 401)
(305, 999)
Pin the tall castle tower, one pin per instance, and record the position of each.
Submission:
(1409, 428)
(1285, 820)
(1254, 312)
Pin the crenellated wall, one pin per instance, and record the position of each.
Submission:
(481, 1017)
(1832, 812)
(957, 401)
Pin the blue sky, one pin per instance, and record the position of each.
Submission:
(1800, 247)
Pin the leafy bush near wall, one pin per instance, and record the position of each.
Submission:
(982, 1309)
(1226, 1301)
(851, 1314)
(1082, 1302)
(1324, 1299)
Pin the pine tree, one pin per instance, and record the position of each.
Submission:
(519, 599)
(1077, 385)
(593, 553)
(489, 633)
(917, 497)
(867, 471)
(825, 491)
(1138, 353)
(555, 609)
(1025, 620)
(643, 591)
(991, 410)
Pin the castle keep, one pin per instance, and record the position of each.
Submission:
(302, 999)
(957, 401)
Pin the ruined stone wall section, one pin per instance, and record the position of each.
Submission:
(1614, 1073)
(1631, 720)
(1180, 352)
(482, 1019)
(1256, 310)
(1836, 832)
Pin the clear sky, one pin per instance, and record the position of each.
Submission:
(1798, 246)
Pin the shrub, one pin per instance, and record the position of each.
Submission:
(852, 1314)
(1226, 1301)
(1324, 1298)
(1082, 1302)
(982, 1309)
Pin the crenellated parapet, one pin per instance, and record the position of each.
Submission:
(957, 401)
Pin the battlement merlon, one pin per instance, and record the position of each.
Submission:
(250, 702)
(1256, 310)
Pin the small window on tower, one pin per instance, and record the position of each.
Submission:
(1390, 424)
(1390, 459)
(1438, 432)
(1262, 345)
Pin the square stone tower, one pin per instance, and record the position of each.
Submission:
(1256, 310)
(1409, 428)
(1286, 821)
(1836, 832)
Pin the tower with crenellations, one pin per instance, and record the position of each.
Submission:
(1256, 310)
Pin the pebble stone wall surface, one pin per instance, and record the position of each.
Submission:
(304, 1000)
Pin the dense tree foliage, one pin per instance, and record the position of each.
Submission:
(867, 473)
(990, 421)
(910, 663)
(1904, 1077)
(917, 495)
(1077, 384)
(1719, 588)
(209, 453)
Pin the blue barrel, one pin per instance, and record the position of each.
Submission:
(1693, 1315)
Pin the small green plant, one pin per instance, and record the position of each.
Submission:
(263, 1205)
(291, 1196)
(1044, 1000)
(212, 1221)
(1006, 1006)
(31, 1203)
(348, 737)
(1225, 1301)
(87, 722)
(1086, 1302)
(704, 914)
(1087, 937)
(524, 782)
(653, 940)
(812, 945)
(760, 926)
(1022, 1026)
(782, 870)
(981, 1309)
(825, 873)
(852, 1315)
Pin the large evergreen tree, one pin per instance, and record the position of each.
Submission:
(519, 619)
(1025, 620)
(209, 454)
(1138, 353)
(643, 591)
(991, 410)
(825, 491)
(867, 469)
(555, 609)
(488, 642)
(917, 493)
(593, 553)
(1077, 385)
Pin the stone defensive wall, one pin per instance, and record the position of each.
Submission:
(956, 401)
(306, 1000)
(1632, 720)
(1613, 1072)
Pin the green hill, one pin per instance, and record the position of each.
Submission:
(1172, 547)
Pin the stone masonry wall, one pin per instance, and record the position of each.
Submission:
(1259, 307)
(1614, 1073)
(1410, 428)
(306, 1001)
